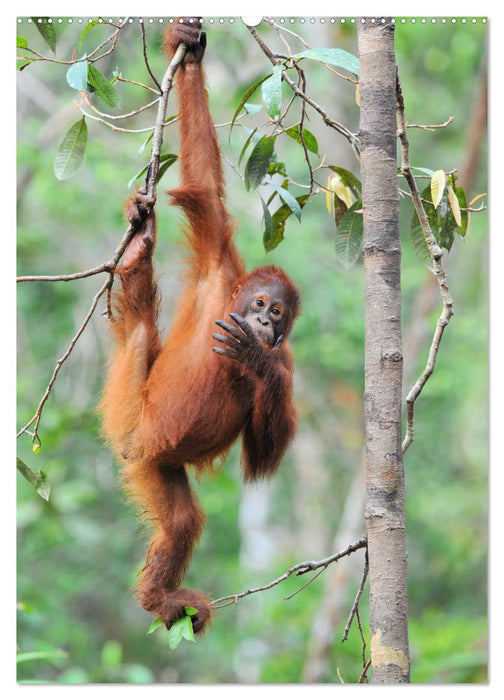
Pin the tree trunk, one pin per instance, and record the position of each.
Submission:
(384, 512)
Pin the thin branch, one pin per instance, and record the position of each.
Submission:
(38, 414)
(91, 58)
(302, 77)
(430, 126)
(113, 117)
(305, 585)
(112, 126)
(436, 255)
(146, 60)
(364, 672)
(157, 140)
(355, 606)
(352, 138)
(279, 28)
(298, 569)
(120, 79)
(105, 267)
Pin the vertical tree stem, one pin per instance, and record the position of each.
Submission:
(384, 512)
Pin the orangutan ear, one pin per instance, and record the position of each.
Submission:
(236, 292)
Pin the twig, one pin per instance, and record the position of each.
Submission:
(436, 255)
(113, 117)
(352, 138)
(91, 58)
(279, 28)
(301, 127)
(364, 672)
(355, 606)
(298, 569)
(157, 140)
(146, 60)
(431, 126)
(38, 414)
(112, 126)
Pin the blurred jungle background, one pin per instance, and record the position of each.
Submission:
(78, 553)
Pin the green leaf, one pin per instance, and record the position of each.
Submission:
(38, 480)
(165, 161)
(47, 31)
(335, 57)
(70, 154)
(86, 30)
(252, 109)
(277, 167)
(425, 171)
(349, 235)
(104, 88)
(77, 75)
(250, 91)
(21, 63)
(416, 231)
(155, 624)
(181, 629)
(288, 199)
(272, 93)
(246, 144)
(309, 139)
(275, 235)
(268, 224)
(21, 42)
(190, 611)
(259, 162)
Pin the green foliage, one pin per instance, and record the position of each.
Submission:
(78, 555)
(451, 203)
(246, 95)
(272, 92)
(274, 226)
(181, 629)
(349, 235)
(70, 154)
(103, 87)
(334, 57)
(259, 162)
(38, 480)
(303, 136)
(77, 75)
(46, 29)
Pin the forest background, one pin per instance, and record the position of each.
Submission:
(78, 554)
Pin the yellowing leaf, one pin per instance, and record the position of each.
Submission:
(357, 94)
(438, 181)
(329, 197)
(341, 190)
(455, 206)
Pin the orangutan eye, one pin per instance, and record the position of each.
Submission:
(275, 312)
(260, 303)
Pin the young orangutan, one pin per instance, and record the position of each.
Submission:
(224, 370)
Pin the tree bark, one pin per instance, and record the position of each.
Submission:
(384, 511)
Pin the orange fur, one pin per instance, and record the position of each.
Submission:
(170, 404)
